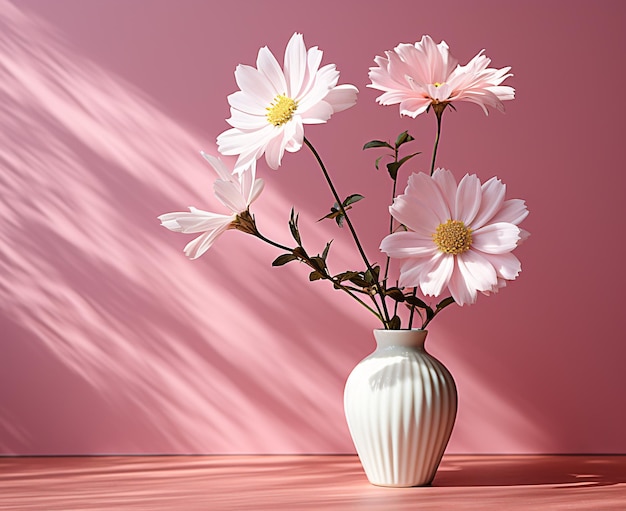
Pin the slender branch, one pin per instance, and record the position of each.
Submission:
(255, 232)
(438, 113)
(446, 302)
(412, 313)
(438, 109)
(393, 196)
(384, 313)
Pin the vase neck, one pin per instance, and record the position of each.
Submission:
(411, 338)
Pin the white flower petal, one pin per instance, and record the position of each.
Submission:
(194, 221)
(295, 64)
(318, 114)
(341, 97)
(245, 121)
(255, 84)
(195, 248)
(229, 194)
(267, 64)
(218, 165)
(247, 103)
(302, 81)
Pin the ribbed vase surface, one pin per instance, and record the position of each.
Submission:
(400, 405)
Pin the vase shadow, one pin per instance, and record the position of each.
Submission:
(531, 470)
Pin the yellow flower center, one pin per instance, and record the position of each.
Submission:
(281, 110)
(437, 84)
(453, 237)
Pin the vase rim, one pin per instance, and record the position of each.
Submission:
(400, 330)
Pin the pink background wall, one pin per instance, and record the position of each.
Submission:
(113, 342)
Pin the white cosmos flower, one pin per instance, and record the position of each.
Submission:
(236, 192)
(459, 237)
(273, 104)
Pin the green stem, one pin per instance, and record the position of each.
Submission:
(437, 311)
(438, 109)
(412, 313)
(438, 114)
(384, 312)
(393, 196)
(325, 276)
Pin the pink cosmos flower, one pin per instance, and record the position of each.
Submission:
(459, 237)
(269, 111)
(423, 74)
(236, 192)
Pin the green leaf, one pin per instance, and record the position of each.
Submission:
(334, 213)
(403, 138)
(346, 275)
(351, 199)
(378, 161)
(315, 275)
(394, 323)
(394, 166)
(445, 302)
(371, 277)
(357, 280)
(325, 253)
(284, 259)
(416, 302)
(377, 143)
(293, 226)
(300, 253)
(319, 264)
(395, 293)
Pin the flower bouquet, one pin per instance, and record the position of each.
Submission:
(453, 239)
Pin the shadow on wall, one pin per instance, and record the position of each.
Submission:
(113, 342)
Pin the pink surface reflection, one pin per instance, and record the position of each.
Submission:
(228, 483)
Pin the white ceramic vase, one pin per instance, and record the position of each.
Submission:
(400, 405)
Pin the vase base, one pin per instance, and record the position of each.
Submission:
(393, 485)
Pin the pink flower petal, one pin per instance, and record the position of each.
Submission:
(412, 271)
(447, 184)
(493, 192)
(497, 238)
(468, 199)
(507, 266)
(407, 244)
(433, 282)
(425, 189)
(415, 215)
(429, 72)
(512, 211)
